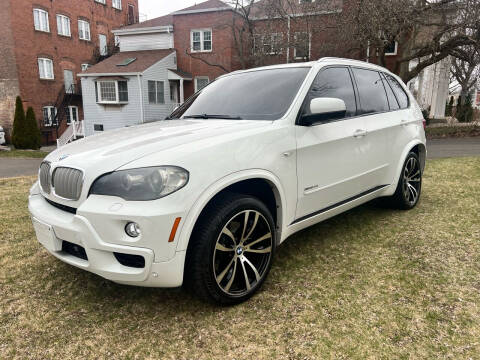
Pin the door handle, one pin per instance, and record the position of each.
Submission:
(360, 133)
(404, 122)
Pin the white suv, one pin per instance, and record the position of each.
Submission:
(204, 197)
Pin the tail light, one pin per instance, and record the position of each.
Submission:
(424, 124)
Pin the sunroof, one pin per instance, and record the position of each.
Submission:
(127, 62)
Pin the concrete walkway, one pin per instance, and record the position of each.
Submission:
(11, 167)
(438, 148)
(454, 147)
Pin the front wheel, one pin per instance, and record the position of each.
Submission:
(231, 250)
(409, 185)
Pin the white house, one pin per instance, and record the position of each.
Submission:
(131, 87)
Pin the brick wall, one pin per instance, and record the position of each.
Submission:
(67, 53)
(222, 46)
(8, 71)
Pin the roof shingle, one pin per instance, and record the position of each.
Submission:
(143, 60)
(159, 21)
(168, 19)
(210, 4)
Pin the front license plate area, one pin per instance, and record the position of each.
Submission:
(46, 235)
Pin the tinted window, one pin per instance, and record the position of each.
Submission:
(392, 101)
(371, 91)
(333, 83)
(402, 96)
(255, 95)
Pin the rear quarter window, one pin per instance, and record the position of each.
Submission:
(401, 95)
(373, 97)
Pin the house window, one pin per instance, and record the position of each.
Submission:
(100, 1)
(45, 68)
(72, 114)
(112, 92)
(84, 30)
(40, 18)
(201, 40)
(63, 25)
(391, 49)
(201, 82)
(122, 91)
(302, 46)
(117, 4)
(85, 67)
(49, 113)
(270, 44)
(156, 92)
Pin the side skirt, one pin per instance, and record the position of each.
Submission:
(343, 202)
(333, 210)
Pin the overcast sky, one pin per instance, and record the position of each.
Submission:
(155, 8)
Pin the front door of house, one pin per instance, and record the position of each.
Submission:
(68, 79)
(173, 92)
(103, 44)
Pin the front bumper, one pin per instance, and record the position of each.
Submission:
(54, 226)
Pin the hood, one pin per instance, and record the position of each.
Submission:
(115, 148)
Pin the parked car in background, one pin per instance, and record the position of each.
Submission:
(2, 136)
(204, 198)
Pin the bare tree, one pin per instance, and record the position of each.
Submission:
(426, 31)
(467, 72)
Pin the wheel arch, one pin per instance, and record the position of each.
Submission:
(259, 183)
(417, 147)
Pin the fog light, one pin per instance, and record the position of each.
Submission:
(133, 229)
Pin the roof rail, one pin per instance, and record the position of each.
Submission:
(349, 60)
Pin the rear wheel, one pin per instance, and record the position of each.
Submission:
(409, 185)
(231, 250)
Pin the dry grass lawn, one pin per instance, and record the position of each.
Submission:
(27, 154)
(371, 283)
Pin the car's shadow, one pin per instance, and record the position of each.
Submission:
(97, 292)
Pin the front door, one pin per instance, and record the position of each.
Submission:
(332, 156)
(102, 40)
(173, 92)
(68, 79)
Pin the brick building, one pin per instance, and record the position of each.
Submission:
(44, 44)
(207, 41)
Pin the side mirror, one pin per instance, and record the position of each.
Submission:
(324, 110)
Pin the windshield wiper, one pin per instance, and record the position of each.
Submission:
(210, 116)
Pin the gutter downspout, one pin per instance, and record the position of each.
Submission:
(288, 39)
(141, 98)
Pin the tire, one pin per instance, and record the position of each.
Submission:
(228, 261)
(409, 186)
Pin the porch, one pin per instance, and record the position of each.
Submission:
(176, 79)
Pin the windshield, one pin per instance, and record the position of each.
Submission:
(256, 95)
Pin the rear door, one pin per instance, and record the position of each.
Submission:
(102, 40)
(68, 80)
(375, 109)
(403, 124)
(332, 156)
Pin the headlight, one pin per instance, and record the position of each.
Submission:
(141, 184)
